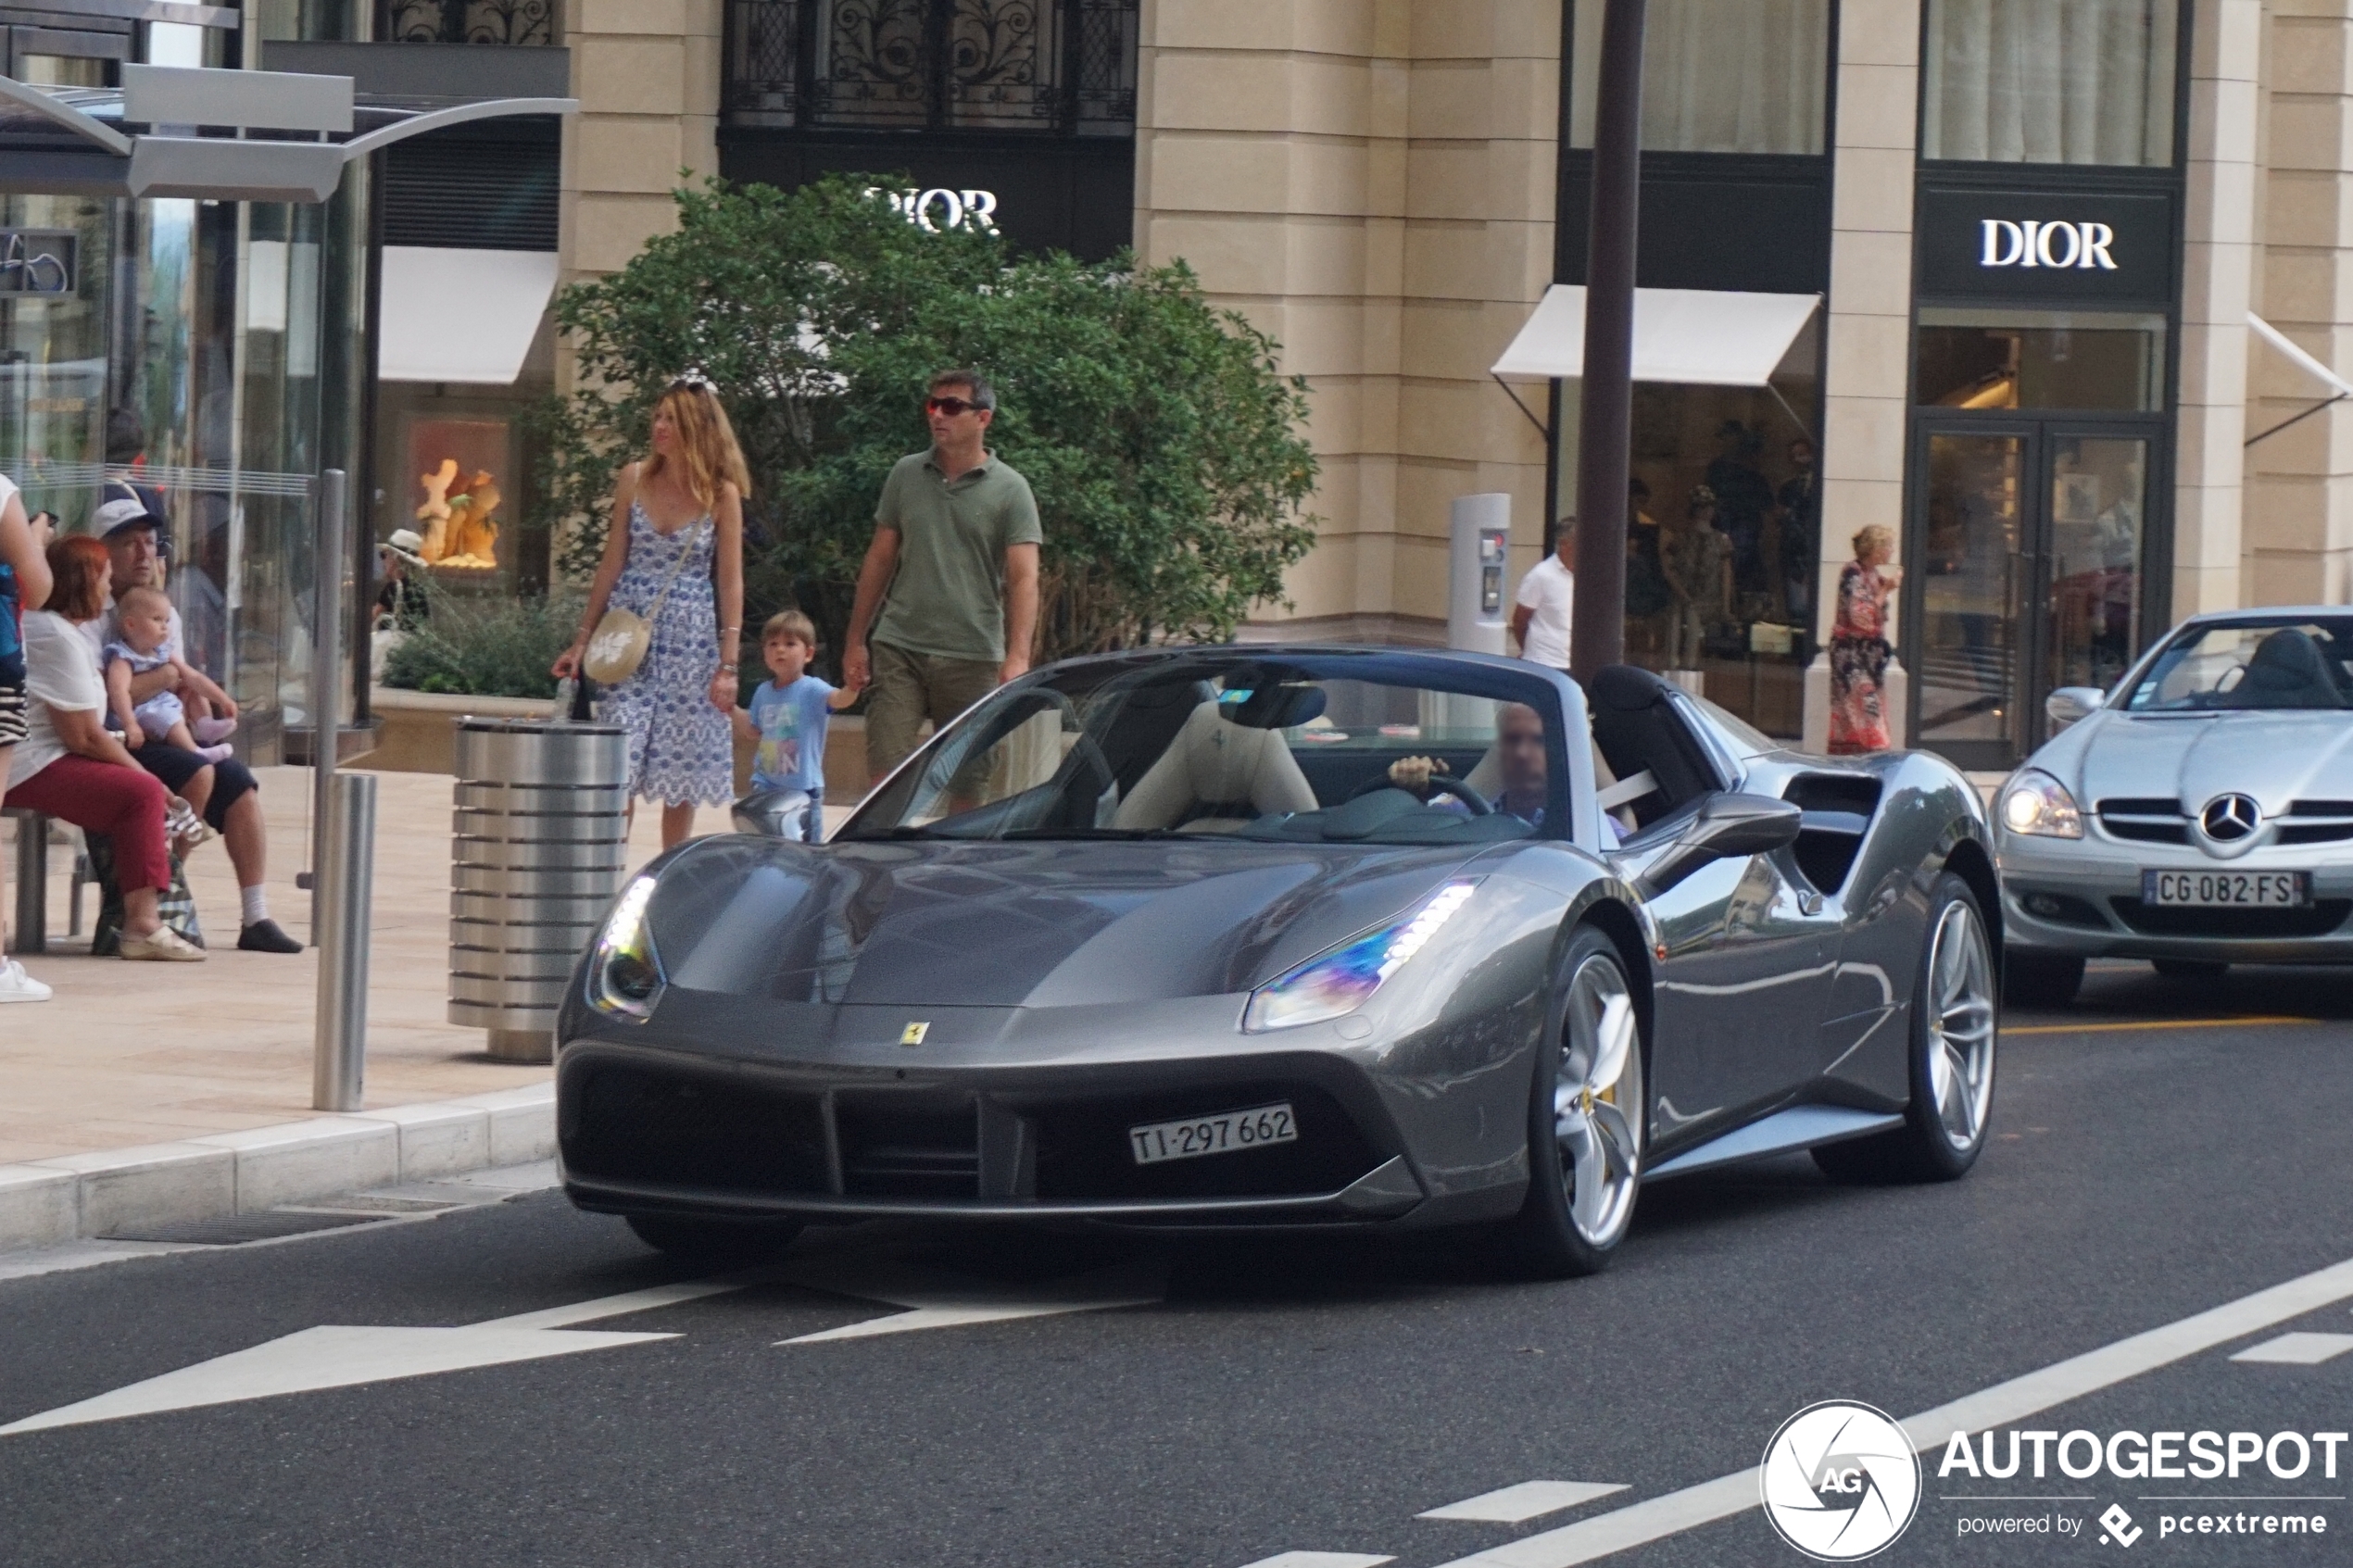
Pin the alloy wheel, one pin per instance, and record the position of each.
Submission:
(1597, 1103)
(1961, 1029)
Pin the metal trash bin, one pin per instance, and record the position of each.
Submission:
(539, 849)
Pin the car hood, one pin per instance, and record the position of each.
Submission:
(2275, 758)
(1029, 924)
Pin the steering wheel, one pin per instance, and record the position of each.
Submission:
(1446, 783)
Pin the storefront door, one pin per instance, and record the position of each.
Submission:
(2028, 571)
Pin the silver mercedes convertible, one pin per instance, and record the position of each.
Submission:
(2200, 815)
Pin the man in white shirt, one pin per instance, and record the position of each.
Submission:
(1540, 617)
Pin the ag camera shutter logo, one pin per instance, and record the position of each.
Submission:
(1840, 1481)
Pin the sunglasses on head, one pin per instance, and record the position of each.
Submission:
(951, 407)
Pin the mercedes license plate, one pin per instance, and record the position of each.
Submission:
(2227, 890)
(1224, 1133)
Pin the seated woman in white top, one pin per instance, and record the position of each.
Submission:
(71, 768)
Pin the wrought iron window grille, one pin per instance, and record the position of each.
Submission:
(1052, 67)
(466, 21)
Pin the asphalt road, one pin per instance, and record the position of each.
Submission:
(1269, 1396)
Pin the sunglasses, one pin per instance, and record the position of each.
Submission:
(951, 407)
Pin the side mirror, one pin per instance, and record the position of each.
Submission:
(1726, 825)
(2072, 705)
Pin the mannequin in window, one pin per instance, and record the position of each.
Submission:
(1698, 567)
(1801, 524)
(1743, 497)
(1648, 598)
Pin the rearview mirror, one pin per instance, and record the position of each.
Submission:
(1726, 825)
(2072, 705)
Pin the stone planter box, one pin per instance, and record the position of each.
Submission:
(416, 733)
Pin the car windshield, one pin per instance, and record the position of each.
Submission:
(2262, 665)
(1366, 748)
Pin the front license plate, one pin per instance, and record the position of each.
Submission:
(2227, 890)
(1227, 1132)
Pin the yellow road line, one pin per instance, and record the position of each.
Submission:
(2155, 1024)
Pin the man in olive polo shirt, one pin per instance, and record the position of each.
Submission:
(953, 572)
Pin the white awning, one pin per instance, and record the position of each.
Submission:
(465, 316)
(1700, 336)
(2296, 356)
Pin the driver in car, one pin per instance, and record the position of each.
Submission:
(1519, 753)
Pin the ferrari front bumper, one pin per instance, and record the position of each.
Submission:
(644, 1130)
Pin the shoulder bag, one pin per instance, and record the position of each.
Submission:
(618, 644)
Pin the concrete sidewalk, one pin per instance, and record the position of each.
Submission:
(138, 1054)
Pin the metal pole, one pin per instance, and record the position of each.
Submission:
(339, 1064)
(326, 677)
(1597, 628)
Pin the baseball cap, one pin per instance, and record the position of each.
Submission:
(118, 518)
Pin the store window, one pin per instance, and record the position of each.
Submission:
(2001, 358)
(1718, 76)
(1724, 535)
(2084, 82)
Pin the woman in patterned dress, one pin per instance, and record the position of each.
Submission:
(677, 518)
(1858, 644)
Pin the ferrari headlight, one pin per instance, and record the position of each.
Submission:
(1344, 979)
(2038, 803)
(625, 974)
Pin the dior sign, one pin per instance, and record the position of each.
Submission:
(2038, 243)
(2099, 241)
(936, 211)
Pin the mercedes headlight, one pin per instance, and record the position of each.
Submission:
(625, 974)
(2038, 803)
(1343, 978)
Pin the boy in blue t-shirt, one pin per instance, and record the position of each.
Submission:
(787, 721)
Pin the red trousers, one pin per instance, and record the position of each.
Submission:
(125, 804)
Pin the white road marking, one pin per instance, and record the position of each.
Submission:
(2002, 1404)
(1320, 1560)
(2298, 1349)
(1529, 1499)
(335, 1356)
(936, 1299)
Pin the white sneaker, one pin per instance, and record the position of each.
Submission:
(16, 986)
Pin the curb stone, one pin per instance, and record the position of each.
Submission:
(75, 1197)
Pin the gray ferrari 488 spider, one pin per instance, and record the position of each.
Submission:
(1296, 936)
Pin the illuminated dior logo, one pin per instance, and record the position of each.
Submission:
(2033, 244)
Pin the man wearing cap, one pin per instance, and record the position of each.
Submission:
(224, 793)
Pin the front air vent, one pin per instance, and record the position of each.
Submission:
(2150, 821)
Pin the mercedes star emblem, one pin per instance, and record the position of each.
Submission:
(2230, 819)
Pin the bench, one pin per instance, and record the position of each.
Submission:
(31, 877)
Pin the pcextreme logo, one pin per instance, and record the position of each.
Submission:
(1840, 1481)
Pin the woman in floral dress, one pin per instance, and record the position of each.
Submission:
(677, 519)
(1859, 651)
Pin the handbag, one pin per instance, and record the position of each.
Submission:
(621, 640)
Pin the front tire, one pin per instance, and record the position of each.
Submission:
(714, 1241)
(1588, 1121)
(2035, 979)
(1953, 1038)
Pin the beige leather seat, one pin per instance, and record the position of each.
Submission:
(1234, 773)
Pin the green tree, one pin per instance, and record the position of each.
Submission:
(1163, 444)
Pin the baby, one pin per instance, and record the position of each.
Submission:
(145, 618)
